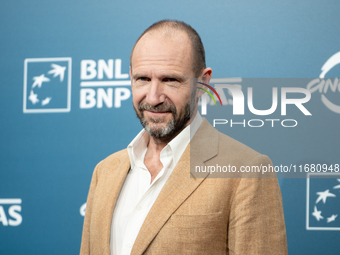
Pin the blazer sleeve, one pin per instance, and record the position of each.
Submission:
(256, 223)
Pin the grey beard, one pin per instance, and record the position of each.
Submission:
(171, 129)
(175, 125)
(158, 133)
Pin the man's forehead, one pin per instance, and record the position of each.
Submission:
(162, 42)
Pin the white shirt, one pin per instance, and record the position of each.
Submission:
(137, 194)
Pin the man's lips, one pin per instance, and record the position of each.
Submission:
(156, 114)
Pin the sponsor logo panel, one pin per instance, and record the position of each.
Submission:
(10, 209)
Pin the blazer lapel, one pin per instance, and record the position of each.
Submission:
(112, 185)
(179, 186)
(204, 146)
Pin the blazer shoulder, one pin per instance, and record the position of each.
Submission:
(236, 148)
(114, 159)
(225, 144)
(230, 152)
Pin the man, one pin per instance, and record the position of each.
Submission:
(143, 201)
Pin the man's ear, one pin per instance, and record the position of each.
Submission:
(204, 78)
(206, 75)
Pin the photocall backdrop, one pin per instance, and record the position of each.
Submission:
(66, 104)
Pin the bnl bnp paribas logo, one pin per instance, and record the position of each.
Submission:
(323, 201)
(47, 84)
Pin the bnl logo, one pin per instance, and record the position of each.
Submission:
(47, 85)
(10, 209)
(323, 201)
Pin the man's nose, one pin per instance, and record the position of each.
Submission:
(155, 94)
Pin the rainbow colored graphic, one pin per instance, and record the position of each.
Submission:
(209, 92)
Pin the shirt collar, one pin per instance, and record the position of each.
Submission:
(181, 141)
(137, 148)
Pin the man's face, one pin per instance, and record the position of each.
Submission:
(161, 71)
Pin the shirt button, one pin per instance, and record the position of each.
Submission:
(139, 208)
(129, 244)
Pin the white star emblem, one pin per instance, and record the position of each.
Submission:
(33, 97)
(323, 196)
(46, 101)
(58, 70)
(38, 80)
(337, 186)
(317, 214)
(332, 218)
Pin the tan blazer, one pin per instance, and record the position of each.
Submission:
(194, 215)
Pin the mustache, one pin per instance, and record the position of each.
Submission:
(163, 107)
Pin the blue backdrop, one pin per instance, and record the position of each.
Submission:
(66, 104)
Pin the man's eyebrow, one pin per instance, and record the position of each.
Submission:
(174, 76)
(136, 75)
(163, 76)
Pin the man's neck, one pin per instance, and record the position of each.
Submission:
(154, 148)
(152, 158)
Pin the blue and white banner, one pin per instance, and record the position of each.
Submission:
(66, 104)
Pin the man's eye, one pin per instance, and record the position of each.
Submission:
(170, 80)
(143, 79)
